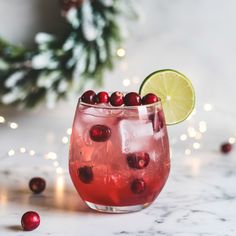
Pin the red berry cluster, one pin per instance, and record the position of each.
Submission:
(118, 99)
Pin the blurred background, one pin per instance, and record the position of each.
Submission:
(196, 38)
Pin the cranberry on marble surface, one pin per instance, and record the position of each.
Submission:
(30, 220)
(226, 147)
(37, 185)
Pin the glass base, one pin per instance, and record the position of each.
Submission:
(116, 209)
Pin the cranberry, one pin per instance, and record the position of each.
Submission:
(37, 185)
(132, 99)
(30, 220)
(138, 160)
(100, 133)
(138, 186)
(117, 99)
(88, 97)
(226, 147)
(150, 98)
(102, 97)
(85, 174)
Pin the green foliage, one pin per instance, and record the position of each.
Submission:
(58, 66)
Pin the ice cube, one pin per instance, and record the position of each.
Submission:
(134, 134)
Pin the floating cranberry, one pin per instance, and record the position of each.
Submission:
(88, 97)
(226, 147)
(149, 99)
(30, 220)
(132, 99)
(138, 186)
(102, 97)
(100, 133)
(37, 185)
(117, 99)
(85, 174)
(138, 160)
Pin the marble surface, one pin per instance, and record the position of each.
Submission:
(199, 199)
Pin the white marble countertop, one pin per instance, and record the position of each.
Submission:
(199, 199)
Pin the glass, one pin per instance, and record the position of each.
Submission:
(119, 156)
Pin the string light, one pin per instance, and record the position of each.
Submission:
(191, 132)
(13, 125)
(202, 126)
(126, 82)
(232, 140)
(56, 163)
(196, 145)
(187, 152)
(65, 140)
(183, 137)
(51, 156)
(22, 150)
(59, 170)
(31, 152)
(207, 107)
(2, 119)
(120, 52)
(69, 131)
(11, 152)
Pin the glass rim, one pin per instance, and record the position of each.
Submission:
(98, 106)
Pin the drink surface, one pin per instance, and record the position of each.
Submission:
(127, 163)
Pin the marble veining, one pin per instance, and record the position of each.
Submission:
(199, 199)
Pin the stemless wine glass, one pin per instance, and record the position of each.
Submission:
(119, 156)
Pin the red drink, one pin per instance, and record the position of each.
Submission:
(119, 157)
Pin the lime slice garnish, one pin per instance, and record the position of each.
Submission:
(176, 93)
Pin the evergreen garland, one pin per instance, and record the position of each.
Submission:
(59, 66)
